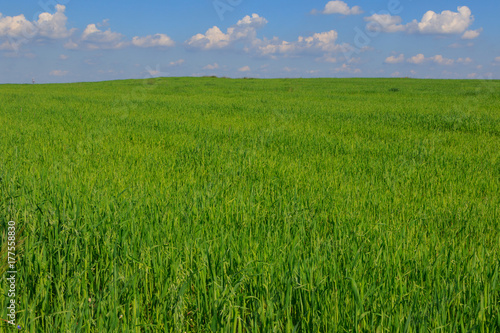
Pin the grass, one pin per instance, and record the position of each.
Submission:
(219, 205)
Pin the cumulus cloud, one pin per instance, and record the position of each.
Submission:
(94, 38)
(18, 30)
(214, 38)
(244, 69)
(395, 60)
(322, 42)
(447, 22)
(158, 40)
(63, 57)
(177, 63)
(70, 45)
(345, 68)
(471, 34)
(438, 59)
(254, 21)
(245, 31)
(211, 67)
(16, 26)
(464, 61)
(54, 25)
(497, 59)
(418, 59)
(384, 23)
(58, 72)
(339, 7)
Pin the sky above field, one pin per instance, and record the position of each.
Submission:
(75, 40)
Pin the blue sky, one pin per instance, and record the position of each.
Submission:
(75, 40)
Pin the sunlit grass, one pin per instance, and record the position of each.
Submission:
(208, 204)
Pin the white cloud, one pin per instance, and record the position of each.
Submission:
(211, 67)
(447, 22)
(464, 61)
(63, 57)
(244, 69)
(345, 68)
(214, 38)
(396, 74)
(94, 38)
(245, 31)
(254, 21)
(484, 76)
(158, 40)
(497, 59)
(323, 42)
(327, 58)
(70, 45)
(339, 7)
(98, 39)
(418, 59)
(471, 34)
(384, 23)
(438, 59)
(177, 63)
(395, 60)
(16, 26)
(20, 30)
(58, 72)
(54, 25)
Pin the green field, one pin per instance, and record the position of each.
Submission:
(223, 205)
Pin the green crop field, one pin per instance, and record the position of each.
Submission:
(223, 205)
